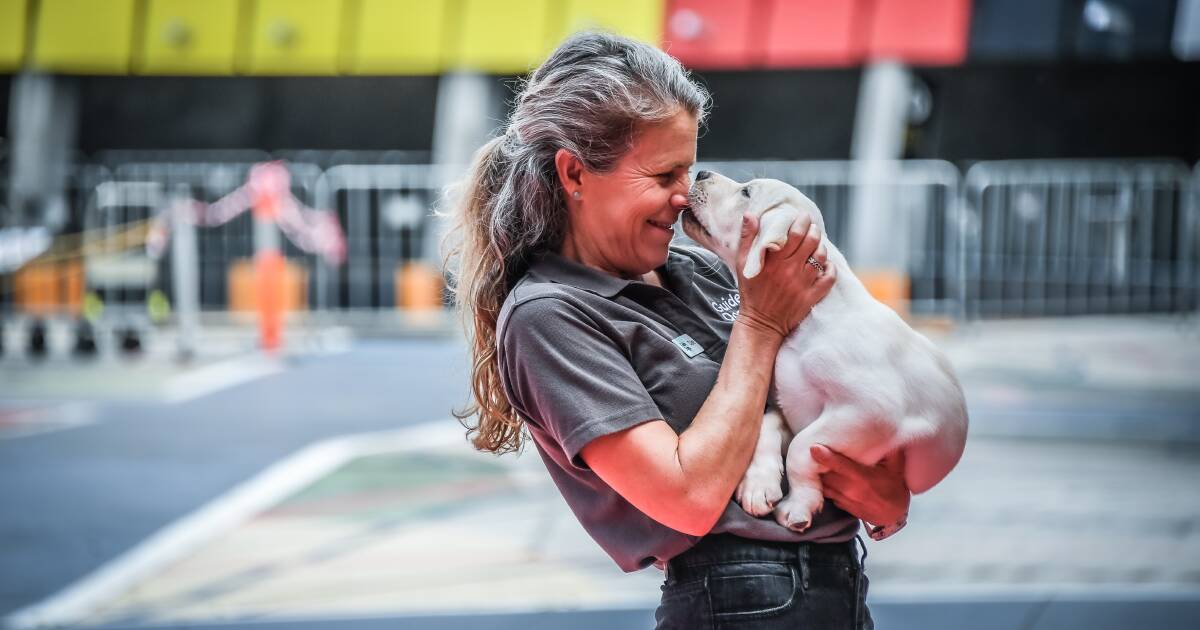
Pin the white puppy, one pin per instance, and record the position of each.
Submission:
(852, 376)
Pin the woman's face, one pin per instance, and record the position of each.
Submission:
(623, 220)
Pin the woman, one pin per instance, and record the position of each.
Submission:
(640, 368)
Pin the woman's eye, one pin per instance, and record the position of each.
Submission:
(746, 192)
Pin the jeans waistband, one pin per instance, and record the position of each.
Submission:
(728, 549)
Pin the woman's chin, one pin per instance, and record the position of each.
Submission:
(655, 256)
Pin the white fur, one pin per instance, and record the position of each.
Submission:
(852, 376)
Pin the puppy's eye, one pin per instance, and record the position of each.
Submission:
(746, 192)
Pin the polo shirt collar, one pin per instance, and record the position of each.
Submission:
(553, 267)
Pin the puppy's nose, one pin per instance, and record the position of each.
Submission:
(703, 175)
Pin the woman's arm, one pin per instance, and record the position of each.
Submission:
(685, 481)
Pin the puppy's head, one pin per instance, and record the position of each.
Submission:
(717, 203)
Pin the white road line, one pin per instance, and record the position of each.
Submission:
(74, 603)
(211, 378)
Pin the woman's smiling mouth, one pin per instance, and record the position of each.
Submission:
(662, 226)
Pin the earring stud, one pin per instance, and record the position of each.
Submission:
(575, 194)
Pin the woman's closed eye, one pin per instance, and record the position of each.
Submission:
(671, 178)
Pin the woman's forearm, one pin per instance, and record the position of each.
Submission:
(714, 451)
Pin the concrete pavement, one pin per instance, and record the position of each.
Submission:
(383, 536)
(1099, 506)
(76, 498)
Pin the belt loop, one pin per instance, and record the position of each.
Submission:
(862, 561)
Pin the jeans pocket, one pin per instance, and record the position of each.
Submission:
(684, 606)
(752, 590)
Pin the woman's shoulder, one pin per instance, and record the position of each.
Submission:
(537, 303)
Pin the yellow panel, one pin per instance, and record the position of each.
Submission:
(398, 37)
(189, 37)
(639, 19)
(84, 36)
(503, 36)
(295, 37)
(12, 33)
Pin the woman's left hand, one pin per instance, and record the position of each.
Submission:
(876, 494)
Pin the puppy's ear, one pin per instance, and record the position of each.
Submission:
(773, 229)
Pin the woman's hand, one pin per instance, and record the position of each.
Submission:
(779, 297)
(876, 494)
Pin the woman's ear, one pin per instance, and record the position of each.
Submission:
(570, 170)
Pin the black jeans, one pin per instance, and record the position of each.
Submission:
(730, 582)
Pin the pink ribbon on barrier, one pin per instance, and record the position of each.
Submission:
(268, 192)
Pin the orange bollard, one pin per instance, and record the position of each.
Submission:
(49, 288)
(418, 287)
(243, 287)
(269, 269)
(889, 286)
(34, 288)
(74, 286)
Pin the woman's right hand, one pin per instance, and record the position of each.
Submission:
(781, 296)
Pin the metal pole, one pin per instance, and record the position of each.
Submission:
(468, 105)
(879, 125)
(185, 275)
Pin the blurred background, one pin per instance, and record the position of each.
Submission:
(228, 359)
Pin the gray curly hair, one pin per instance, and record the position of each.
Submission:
(589, 97)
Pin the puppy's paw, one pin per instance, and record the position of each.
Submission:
(797, 509)
(760, 489)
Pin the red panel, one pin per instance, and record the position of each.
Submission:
(713, 33)
(929, 32)
(816, 33)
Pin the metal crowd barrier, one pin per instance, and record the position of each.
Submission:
(386, 213)
(140, 190)
(1051, 238)
(923, 194)
(53, 283)
(43, 291)
(1011, 239)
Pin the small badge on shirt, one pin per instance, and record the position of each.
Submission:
(688, 345)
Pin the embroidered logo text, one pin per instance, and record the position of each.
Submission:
(728, 306)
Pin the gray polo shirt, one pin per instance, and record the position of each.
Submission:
(583, 354)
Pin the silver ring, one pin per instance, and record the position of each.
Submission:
(813, 261)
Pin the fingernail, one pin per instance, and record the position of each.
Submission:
(817, 450)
